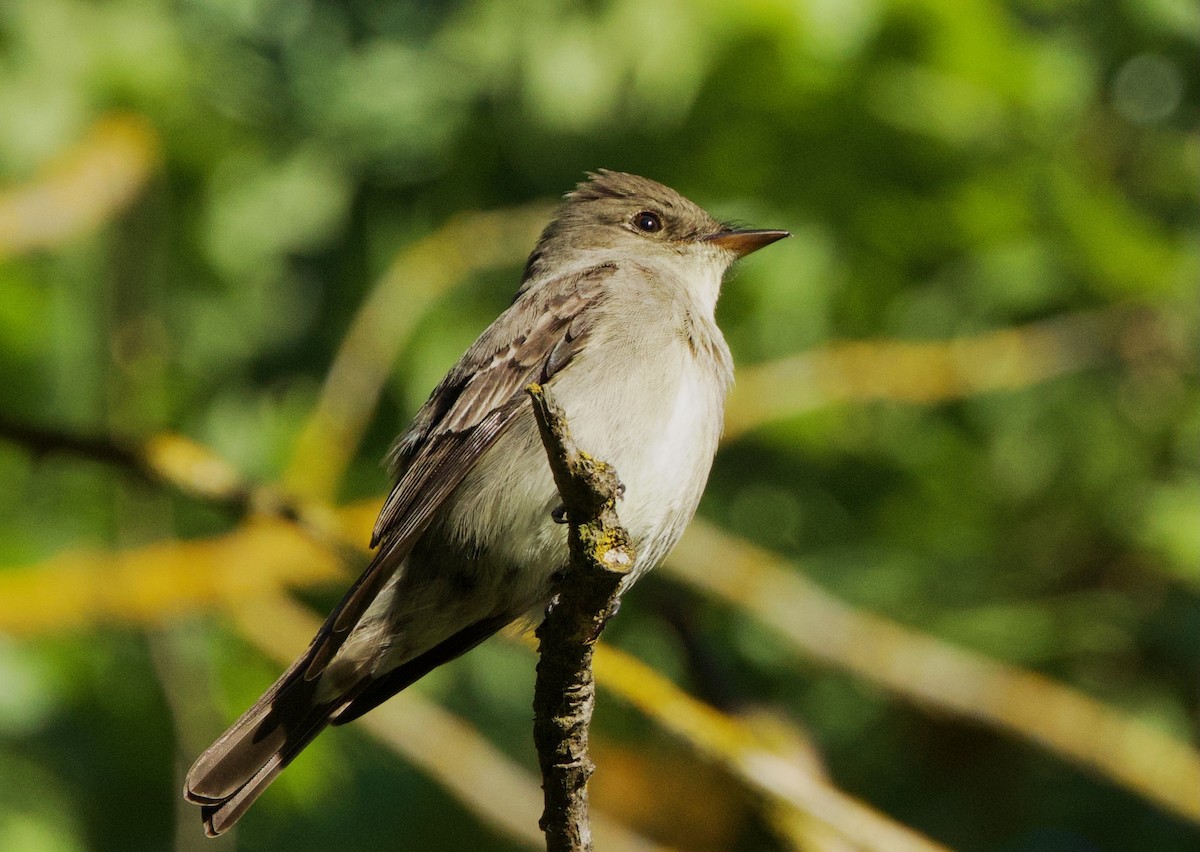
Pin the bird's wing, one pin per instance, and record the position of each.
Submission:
(472, 406)
(532, 341)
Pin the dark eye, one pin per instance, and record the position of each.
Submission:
(648, 222)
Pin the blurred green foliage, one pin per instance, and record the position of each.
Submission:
(946, 168)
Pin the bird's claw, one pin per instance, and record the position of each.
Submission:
(616, 607)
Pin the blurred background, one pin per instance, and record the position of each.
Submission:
(944, 587)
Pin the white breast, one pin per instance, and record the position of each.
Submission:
(665, 457)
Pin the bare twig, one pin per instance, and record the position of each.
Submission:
(179, 463)
(564, 694)
(45, 441)
(795, 797)
(919, 667)
(927, 372)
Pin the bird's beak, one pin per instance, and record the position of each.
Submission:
(741, 243)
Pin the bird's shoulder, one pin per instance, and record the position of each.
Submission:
(543, 330)
(531, 341)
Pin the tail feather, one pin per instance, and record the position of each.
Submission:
(221, 816)
(373, 691)
(227, 778)
(236, 769)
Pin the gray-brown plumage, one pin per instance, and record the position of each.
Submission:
(615, 314)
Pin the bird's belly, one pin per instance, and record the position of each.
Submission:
(493, 547)
(664, 466)
(660, 437)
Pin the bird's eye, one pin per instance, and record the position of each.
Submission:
(647, 222)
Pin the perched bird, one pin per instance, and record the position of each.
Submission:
(615, 315)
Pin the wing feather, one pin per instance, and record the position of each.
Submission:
(473, 405)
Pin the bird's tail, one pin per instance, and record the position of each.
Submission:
(238, 767)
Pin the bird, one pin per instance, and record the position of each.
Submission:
(615, 315)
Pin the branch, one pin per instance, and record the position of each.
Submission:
(795, 796)
(601, 556)
(43, 441)
(922, 668)
(933, 371)
(174, 461)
